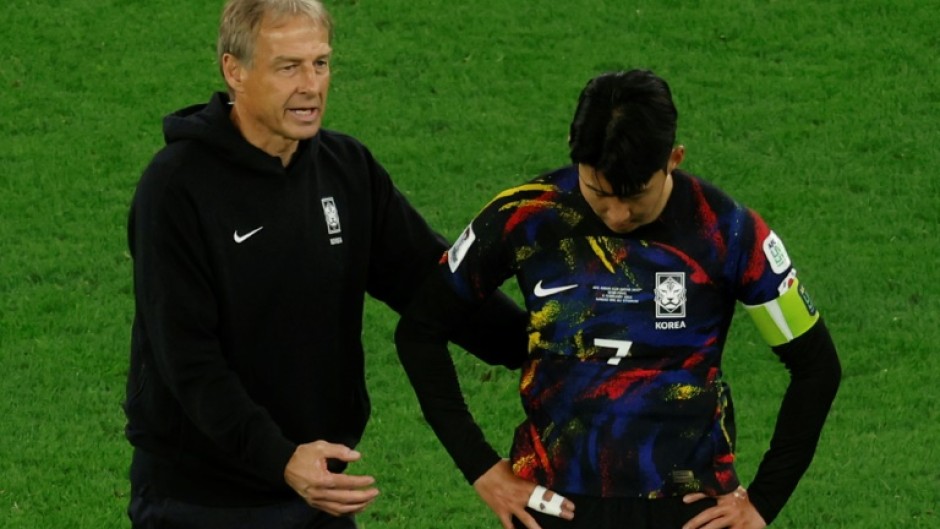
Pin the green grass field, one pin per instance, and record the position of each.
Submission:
(821, 115)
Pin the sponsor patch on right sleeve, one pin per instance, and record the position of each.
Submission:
(460, 248)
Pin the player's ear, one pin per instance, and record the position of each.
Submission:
(234, 72)
(676, 157)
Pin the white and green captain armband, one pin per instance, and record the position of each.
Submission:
(787, 317)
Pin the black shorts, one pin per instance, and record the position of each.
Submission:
(623, 513)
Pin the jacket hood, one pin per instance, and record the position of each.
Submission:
(211, 125)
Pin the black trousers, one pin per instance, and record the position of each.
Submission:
(151, 510)
(623, 513)
(148, 512)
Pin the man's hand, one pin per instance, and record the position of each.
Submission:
(734, 511)
(508, 495)
(336, 494)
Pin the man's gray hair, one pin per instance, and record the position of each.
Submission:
(241, 20)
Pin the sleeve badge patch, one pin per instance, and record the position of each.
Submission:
(776, 254)
(787, 282)
(460, 248)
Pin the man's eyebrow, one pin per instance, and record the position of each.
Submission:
(292, 58)
(598, 190)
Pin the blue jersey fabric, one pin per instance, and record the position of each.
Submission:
(622, 391)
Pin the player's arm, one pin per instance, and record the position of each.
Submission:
(421, 338)
(464, 279)
(798, 335)
(495, 332)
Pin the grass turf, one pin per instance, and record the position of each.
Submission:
(822, 116)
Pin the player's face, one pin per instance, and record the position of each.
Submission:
(281, 96)
(625, 214)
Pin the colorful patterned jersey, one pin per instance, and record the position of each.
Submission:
(622, 392)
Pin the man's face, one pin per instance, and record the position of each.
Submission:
(624, 214)
(281, 96)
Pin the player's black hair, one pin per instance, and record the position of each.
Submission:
(625, 127)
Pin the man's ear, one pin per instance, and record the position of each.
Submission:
(234, 72)
(676, 157)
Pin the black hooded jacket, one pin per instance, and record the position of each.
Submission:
(249, 282)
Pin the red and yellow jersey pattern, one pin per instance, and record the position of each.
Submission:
(623, 391)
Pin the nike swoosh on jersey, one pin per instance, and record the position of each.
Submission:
(542, 292)
(242, 238)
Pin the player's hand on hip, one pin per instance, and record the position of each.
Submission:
(733, 511)
(336, 494)
(508, 495)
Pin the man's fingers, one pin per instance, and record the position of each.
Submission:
(730, 510)
(336, 451)
(506, 521)
(566, 505)
(551, 503)
(340, 502)
(347, 482)
(526, 519)
(340, 509)
(340, 496)
(694, 497)
(700, 521)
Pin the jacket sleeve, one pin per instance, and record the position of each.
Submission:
(815, 373)
(406, 249)
(421, 339)
(177, 317)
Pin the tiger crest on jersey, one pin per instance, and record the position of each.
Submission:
(670, 294)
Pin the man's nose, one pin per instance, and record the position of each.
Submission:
(310, 80)
(624, 211)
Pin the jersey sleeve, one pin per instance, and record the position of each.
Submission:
(479, 261)
(769, 288)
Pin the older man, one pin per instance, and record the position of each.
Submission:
(256, 235)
